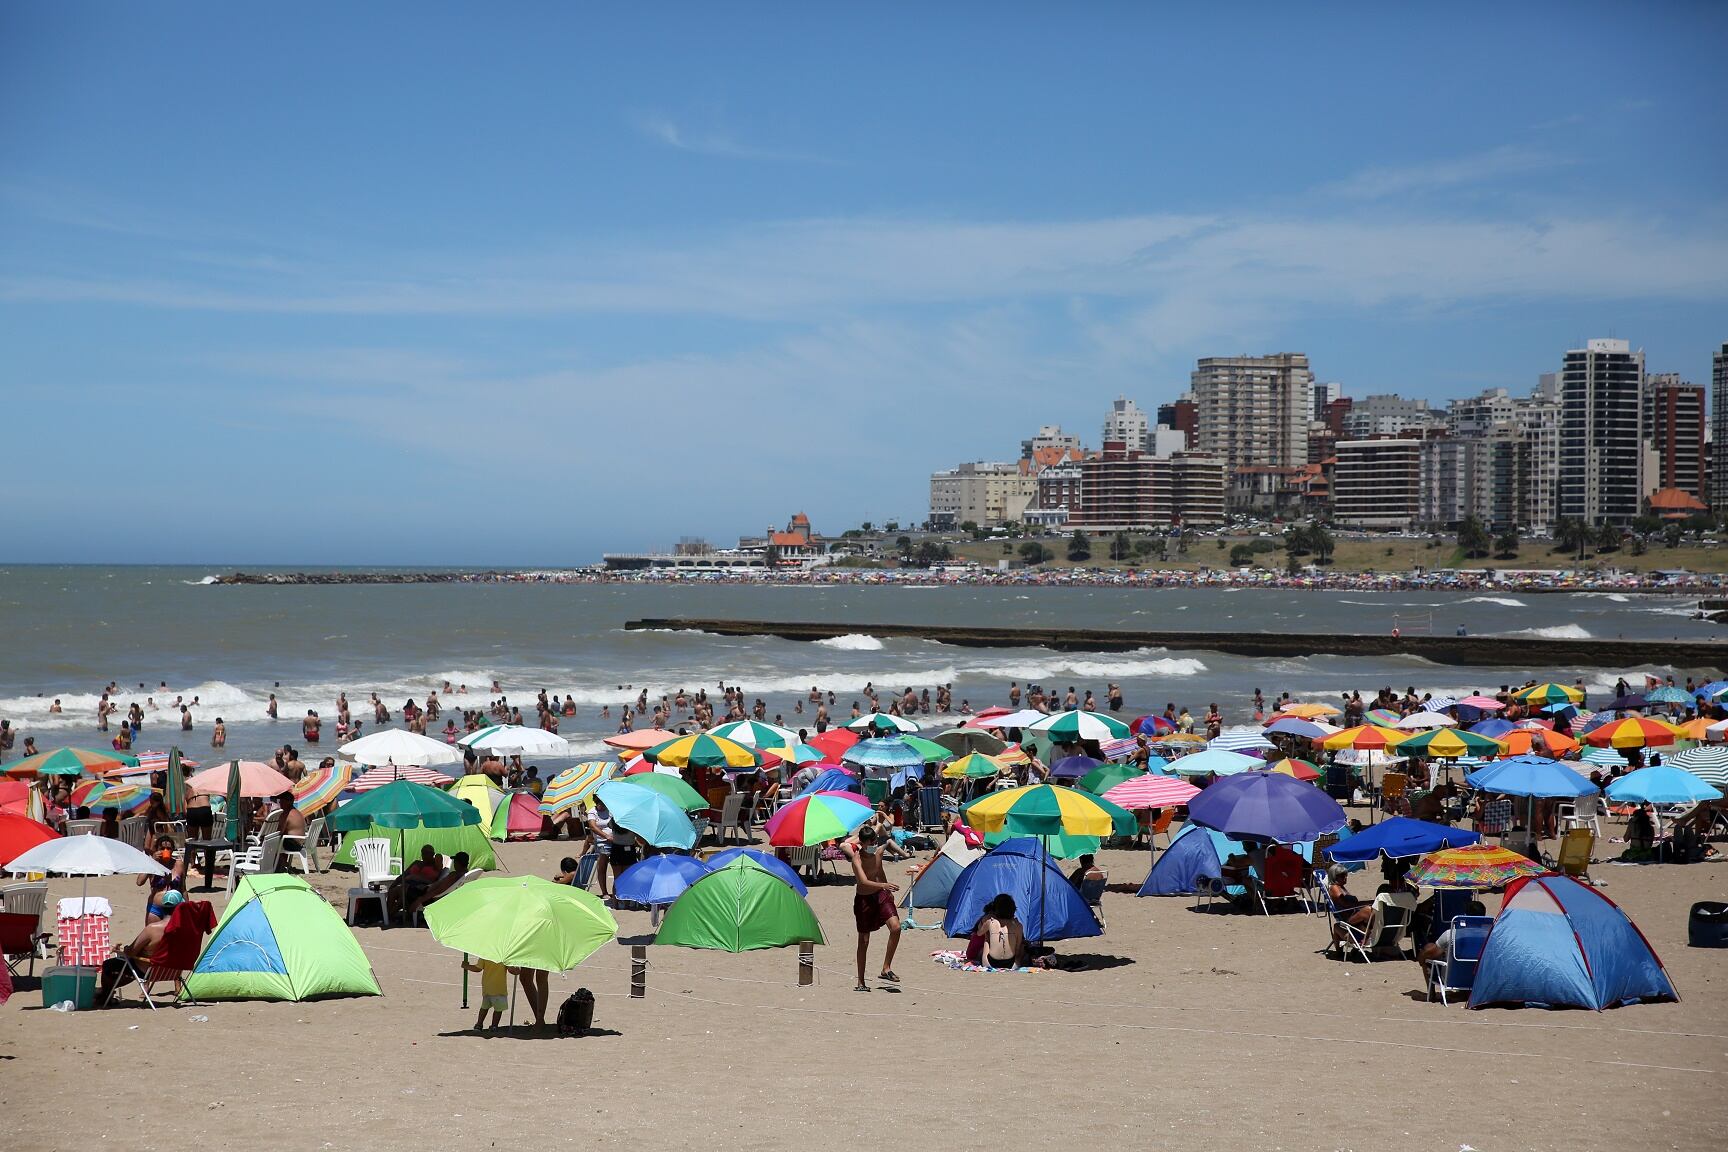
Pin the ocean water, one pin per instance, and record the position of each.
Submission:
(68, 631)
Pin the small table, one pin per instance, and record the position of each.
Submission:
(209, 848)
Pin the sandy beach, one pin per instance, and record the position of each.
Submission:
(1191, 1030)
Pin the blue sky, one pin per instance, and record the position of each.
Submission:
(437, 283)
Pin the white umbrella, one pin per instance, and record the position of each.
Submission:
(872, 721)
(1239, 741)
(517, 740)
(399, 746)
(86, 856)
(1008, 719)
(1420, 720)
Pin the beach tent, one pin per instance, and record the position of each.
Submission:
(1560, 944)
(517, 819)
(470, 838)
(1048, 906)
(739, 908)
(280, 940)
(1194, 852)
(936, 881)
(481, 792)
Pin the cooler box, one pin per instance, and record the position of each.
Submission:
(1708, 927)
(75, 984)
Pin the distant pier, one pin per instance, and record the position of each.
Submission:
(1536, 653)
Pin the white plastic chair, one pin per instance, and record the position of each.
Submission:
(1584, 812)
(305, 854)
(731, 817)
(272, 822)
(372, 857)
(268, 856)
(135, 832)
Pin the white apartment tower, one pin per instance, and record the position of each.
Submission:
(1126, 424)
(1254, 410)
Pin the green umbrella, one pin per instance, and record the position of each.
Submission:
(671, 787)
(402, 804)
(932, 752)
(739, 908)
(522, 921)
(231, 806)
(1061, 846)
(1106, 776)
(174, 793)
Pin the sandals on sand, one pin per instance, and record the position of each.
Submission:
(889, 977)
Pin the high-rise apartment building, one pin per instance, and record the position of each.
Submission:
(1181, 415)
(1378, 483)
(1388, 415)
(1126, 424)
(1718, 498)
(1602, 433)
(1123, 488)
(1050, 443)
(1674, 426)
(1254, 410)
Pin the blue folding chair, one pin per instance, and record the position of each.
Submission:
(1456, 971)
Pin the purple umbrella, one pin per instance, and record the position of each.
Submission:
(1266, 806)
(1072, 767)
(1493, 728)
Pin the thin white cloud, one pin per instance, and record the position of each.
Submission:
(1479, 168)
(662, 129)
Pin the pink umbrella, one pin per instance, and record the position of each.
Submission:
(256, 780)
(1483, 703)
(1150, 791)
(386, 773)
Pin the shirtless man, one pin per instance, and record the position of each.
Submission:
(873, 905)
(293, 821)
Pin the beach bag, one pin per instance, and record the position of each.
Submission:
(576, 1014)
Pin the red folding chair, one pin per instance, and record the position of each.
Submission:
(19, 940)
(182, 942)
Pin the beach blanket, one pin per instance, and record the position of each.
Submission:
(957, 961)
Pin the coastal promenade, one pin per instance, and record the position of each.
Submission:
(1481, 651)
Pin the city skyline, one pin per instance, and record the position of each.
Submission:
(338, 285)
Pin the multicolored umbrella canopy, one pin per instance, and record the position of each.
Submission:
(69, 762)
(321, 787)
(1364, 737)
(100, 795)
(1661, 784)
(799, 754)
(1632, 732)
(1549, 694)
(883, 752)
(672, 787)
(574, 785)
(1475, 867)
(522, 921)
(1708, 762)
(1153, 725)
(1149, 790)
(1077, 725)
(1266, 806)
(1044, 810)
(816, 818)
(174, 793)
(703, 750)
(877, 722)
(755, 734)
(973, 766)
(1384, 717)
(1480, 703)
(657, 820)
(374, 778)
(740, 907)
(404, 804)
(19, 834)
(1448, 743)
(1300, 769)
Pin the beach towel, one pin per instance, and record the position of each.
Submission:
(956, 959)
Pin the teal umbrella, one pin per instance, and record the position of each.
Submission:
(658, 820)
(231, 827)
(404, 804)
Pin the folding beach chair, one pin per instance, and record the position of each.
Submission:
(1456, 971)
(1496, 818)
(1092, 887)
(1574, 857)
(19, 940)
(182, 941)
(929, 809)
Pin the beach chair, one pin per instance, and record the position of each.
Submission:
(1092, 891)
(1387, 927)
(806, 860)
(182, 941)
(1584, 812)
(1208, 889)
(303, 850)
(1456, 971)
(20, 940)
(1393, 786)
(83, 827)
(1161, 827)
(255, 861)
(929, 809)
(876, 791)
(1496, 818)
(1574, 857)
(377, 867)
(733, 819)
(584, 874)
(135, 832)
(272, 822)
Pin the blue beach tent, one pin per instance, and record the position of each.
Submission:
(1194, 852)
(936, 882)
(1561, 944)
(1048, 906)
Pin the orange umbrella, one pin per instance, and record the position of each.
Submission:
(1697, 729)
(1364, 737)
(1523, 741)
(1632, 732)
(640, 740)
(1308, 711)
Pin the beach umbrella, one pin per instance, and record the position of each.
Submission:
(1074, 726)
(798, 754)
(964, 741)
(816, 818)
(256, 781)
(399, 746)
(84, 856)
(1417, 721)
(1603, 758)
(703, 750)
(322, 787)
(1546, 694)
(404, 804)
(522, 921)
(832, 778)
(574, 785)
(1044, 810)
(1398, 838)
(1300, 769)
(1661, 784)
(875, 723)
(19, 834)
(1632, 732)
(1153, 725)
(640, 740)
(1002, 719)
(740, 907)
(378, 777)
(1309, 711)
(1440, 703)
(1072, 767)
(1240, 742)
(233, 792)
(1668, 695)
(98, 795)
(1215, 762)
(1537, 741)
(1708, 764)
(70, 762)
(1447, 743)
(1150, 790)
(1531, 776)
(1713, 690)
(511, 740)
(1363, 737)
(932, 752)
(1698, 728)
(1296, 726)
(1493, 727)
(1474, 867)
(672, 787)
(755, 734)
(1266, 806)
(1480, 703)
(1013, 756)
(658, 880)
(833, 742)
(1627, 703)
(1384, 717)
(885, 752)
(1106, 776)
(764, 860)
(657, 820)
(174, 789)
(972, 766)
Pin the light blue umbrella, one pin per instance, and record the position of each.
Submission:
(1214, 762)
(1661, 785)
(831, 780)
(1604, 757)
(653, 817)
(1530, 776)
(1293, 726)
(1668, 696)
(883, 752)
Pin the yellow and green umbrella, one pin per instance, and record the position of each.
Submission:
(973, 766)
(703, 750)
(1448, 744)
(574, 785)
(1549, 694)
(1045, 810)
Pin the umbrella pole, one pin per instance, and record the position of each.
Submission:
(464, 981)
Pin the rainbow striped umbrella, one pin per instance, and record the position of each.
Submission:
(1632, 732)
(1301, 769)
(1473, 867)
(319, 788)
(1150, 790)
(1548, 694)
(574, 785)
(816, 819)
(1448, 744)
(97, 795)
(703, 750)
(70, 762)
(1384, 717)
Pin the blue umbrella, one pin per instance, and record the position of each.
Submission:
(1399, 837)
(1529, 776)
(1712, 690)
(1296, 726)
(1214, 762)
(1560, 709)
(1625, 703)
(658, 879)
(647, 813)
(770, 863)
(1604, 757)
(832, 780)
(1266, 806)
(1669, 696)
(1493, 727)
(883, 752)
(1072, 767)
(1661, 785)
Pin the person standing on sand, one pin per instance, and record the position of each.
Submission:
(494, 990)
(873, 906)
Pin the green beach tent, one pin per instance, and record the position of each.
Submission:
(280, 940)
(739, 908)
(470, 838)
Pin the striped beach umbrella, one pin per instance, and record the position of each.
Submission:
(1384, 717)
(70, 762)
(796, 753)
(1077, 725)
(155, 762)
(1301, 769)
(755, 734)
(1240, 741)
(1707, 762)
(513, 740)
(817, 818)
(1364, 737)
(877, 722)
(1603, 758)
(1475, 867)
(374, 778)
(1447, 744)
(98, 795)
(1441, 703)
(1549, 694)
(972, 766)
(703, 750)
(1045, 810)
(319, 788)
(174, 790)
(1149, 790)
(575, 785)
(1632, 732)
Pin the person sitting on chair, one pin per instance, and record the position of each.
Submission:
(117, 970)
(438, 887)
(1640, 834)
(409, 887)
(1437, 950)
(1080, 872)
(566, 871)
(1351, 909)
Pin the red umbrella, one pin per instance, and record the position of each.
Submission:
(14, 796)
(19, 834)
(833, 742)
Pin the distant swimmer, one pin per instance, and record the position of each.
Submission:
(309, 727)
(219, 734)
(54, 708)
(185, 718)
(270, 708)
